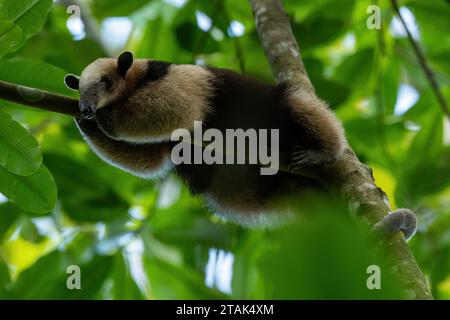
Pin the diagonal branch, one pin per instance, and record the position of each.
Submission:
(279, 44)
(348, 176)
(423, 62)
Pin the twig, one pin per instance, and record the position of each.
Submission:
(423, 62)
(348, 176)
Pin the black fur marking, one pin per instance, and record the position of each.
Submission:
(156, 70)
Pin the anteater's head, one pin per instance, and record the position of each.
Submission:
(141, 100)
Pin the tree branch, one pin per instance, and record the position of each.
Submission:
(423, 62)
(38, 99)
(279, 44)
(348, 177)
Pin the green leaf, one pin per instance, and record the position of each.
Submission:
(428, 143)
(40, 279)
(318, 31)
(390, 79)
(29, 231)
(8, 215)
(109, 8)
(19, 151)
(84, 196)
(426, 170)
(34, 74)
(29, 15)
(292, 268)
(47, 278)
(356, 69)
(363, 135)
(93, 276)
(420, 185)
(432, 18)
(10, 35)
(124, 286)
(35, 193)
(177, 281)
(5, 280)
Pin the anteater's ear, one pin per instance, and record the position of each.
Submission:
(72, 82)
(124, 63)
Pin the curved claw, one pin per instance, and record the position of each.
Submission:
(302, 158)
(399, 220)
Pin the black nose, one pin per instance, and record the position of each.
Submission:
(87, 114)
(86, 111)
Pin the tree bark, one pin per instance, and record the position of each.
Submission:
(350, 178)
(38, 99)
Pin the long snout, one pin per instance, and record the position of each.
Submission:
(86, 110)
(88, 104)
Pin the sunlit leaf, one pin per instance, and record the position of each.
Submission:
(29, 15)
(38, 281)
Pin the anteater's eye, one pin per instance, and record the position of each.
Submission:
(108, 80)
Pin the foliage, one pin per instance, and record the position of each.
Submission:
(136, 239)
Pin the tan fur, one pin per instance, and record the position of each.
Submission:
(107, 66)
(173, 102)
(152, 112)
(321, 122)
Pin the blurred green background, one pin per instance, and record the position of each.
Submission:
(134, 239)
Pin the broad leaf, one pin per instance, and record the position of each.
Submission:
(35, 193)
(356, 70)
(84, 196)
(10, 35)
(19, 151)
(124, 286)
(34, 74)
(8, 215)
(47, 278)
(29, 15)
(38, 281)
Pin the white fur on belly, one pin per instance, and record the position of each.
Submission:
(263, 219)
